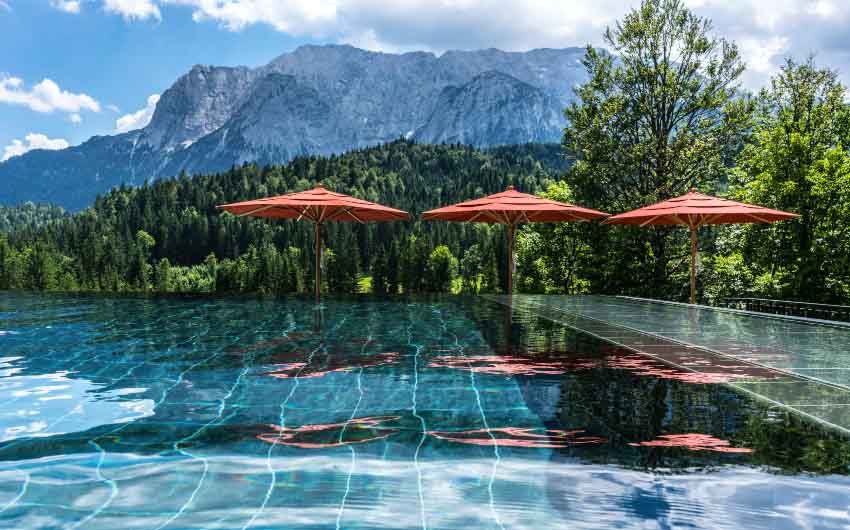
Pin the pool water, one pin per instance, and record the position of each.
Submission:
(380, 413)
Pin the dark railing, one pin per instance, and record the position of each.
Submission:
(786, 307)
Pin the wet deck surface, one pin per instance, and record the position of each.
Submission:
(799, 365)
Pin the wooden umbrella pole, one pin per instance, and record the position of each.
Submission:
(318, 277)
(693, 265)
(511, 228)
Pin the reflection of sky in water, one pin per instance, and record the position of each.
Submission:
(395, 414)
(56, 403)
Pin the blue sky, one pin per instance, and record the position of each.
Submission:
(71, 68)
(116, 62)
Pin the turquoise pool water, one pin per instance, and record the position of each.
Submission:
(401, 413)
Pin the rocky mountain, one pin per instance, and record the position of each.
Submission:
(314, 100)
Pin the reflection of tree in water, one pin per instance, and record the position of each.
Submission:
(670, 423)
(792, 444)
(670, 415)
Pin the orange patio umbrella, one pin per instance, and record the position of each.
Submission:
(319, 206)
(694, 210)
(511, 208)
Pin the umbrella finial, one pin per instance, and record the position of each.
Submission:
(511, 188)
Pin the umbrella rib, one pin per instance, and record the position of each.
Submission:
(760, 219)
(301, 213)
(709, 219)
(255, 210)
(351, 213)
(682, 221)
(650, 220)
(476, 216)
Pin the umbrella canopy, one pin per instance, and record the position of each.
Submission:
(510, 208)
(319, 206)
(694, 210)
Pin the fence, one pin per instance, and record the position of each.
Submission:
(786, 307)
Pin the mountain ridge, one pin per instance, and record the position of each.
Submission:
(314, 100)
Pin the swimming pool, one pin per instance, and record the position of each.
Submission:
(380, 413)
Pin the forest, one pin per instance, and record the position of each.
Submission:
(168, 236)
(663, 113)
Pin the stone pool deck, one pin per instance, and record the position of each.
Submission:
(797, 364)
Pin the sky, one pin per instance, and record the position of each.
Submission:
(71, 69)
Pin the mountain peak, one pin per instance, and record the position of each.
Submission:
(316, 99)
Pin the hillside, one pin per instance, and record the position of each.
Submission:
(101, 248)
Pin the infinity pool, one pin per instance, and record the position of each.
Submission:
(402, 413)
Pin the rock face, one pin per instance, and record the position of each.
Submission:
(492, 109)
(314, 100)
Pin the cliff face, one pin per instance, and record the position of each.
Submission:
(314, 100)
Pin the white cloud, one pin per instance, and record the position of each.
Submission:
(113, 108)
(68, 6)
(4, 6)
(133, 9)
(75, 118)
(32, 141)
(138, 119)
(46, 96)
(761, 53)
(291, 16)
(766, 30)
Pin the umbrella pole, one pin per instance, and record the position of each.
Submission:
(318, 277)
(693, 265)
(510, 233)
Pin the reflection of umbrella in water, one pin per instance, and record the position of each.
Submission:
(302, 370)
(693, 442)
(318, 206)
(325, 435)
(508, 365)
(533, 438)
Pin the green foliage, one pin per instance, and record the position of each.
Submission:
(442, 268)
(471, 268)
(28, 216)
(169, 237)
(656, 120)
(797, 160)
(550, 255)
(662, 114)
(341, 271)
